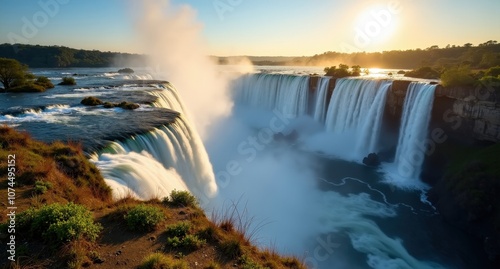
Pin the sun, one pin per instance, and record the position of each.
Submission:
(375, 25)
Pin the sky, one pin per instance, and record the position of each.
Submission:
(261, 27)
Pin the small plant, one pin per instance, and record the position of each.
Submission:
(68, 81)
(144, 218)
(179, 237)
(231, 249)
(44, 82)
(162, 261)
(181, 199)
(60, 223)
(42, 187)
(180, 229)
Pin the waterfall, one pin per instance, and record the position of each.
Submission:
(288, 94)
(356, 109)
(166, 158)
(414, 129)
(320, 104)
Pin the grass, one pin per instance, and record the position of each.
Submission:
(162, 261)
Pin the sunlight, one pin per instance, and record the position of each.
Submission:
(375, 25)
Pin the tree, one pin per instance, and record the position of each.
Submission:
(11, 71)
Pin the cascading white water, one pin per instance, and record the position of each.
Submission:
(320, 104)
(414, 129)
(356, 108)
(288, 94)
(175, 147)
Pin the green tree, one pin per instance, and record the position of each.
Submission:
(11, 71)
(457, 76)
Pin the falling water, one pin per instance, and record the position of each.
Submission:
(414, 129)
(177, 147)
(356, 108)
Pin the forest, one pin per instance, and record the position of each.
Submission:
(481, 56)
(59, 56)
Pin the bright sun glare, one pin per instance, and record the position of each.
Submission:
(375, 26)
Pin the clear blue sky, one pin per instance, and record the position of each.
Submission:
(263, 27)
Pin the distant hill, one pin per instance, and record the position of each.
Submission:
(58, 56)
(484, 55)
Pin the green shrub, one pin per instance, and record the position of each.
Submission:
(181, 199)
(59, 223)
(68, 81)
(144, 217)
(91, 101)
(425, 72)
(179, 237)
(42, 187)
(493, 71)
(189, 243)
(29, 87)
(179, 229)
(457, 76)
(162, 261)
(44, 82)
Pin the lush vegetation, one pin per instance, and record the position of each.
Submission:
(58, 223)
(180, 238)
(68, 81)
(343, 71)
(15, 77)
(180, 199)
(58, 56)
(426, 72)
(484, 55)
(144, 218)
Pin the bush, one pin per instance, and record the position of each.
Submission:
(457, 76)
(91, 101)
(161, 261)
(30, 87)
(68, 81)
(60, 223)
(181, 199)
(44, 82)
(493, 72)
(144, 218)
(180, 229)
(42, 187)
(425, 72)
(179, 237)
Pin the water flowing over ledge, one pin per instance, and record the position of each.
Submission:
(155, 163)
(352, 113)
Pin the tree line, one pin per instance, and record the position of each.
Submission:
(482, 56)
(59, 56)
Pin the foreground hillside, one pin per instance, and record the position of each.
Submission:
(65, 218)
